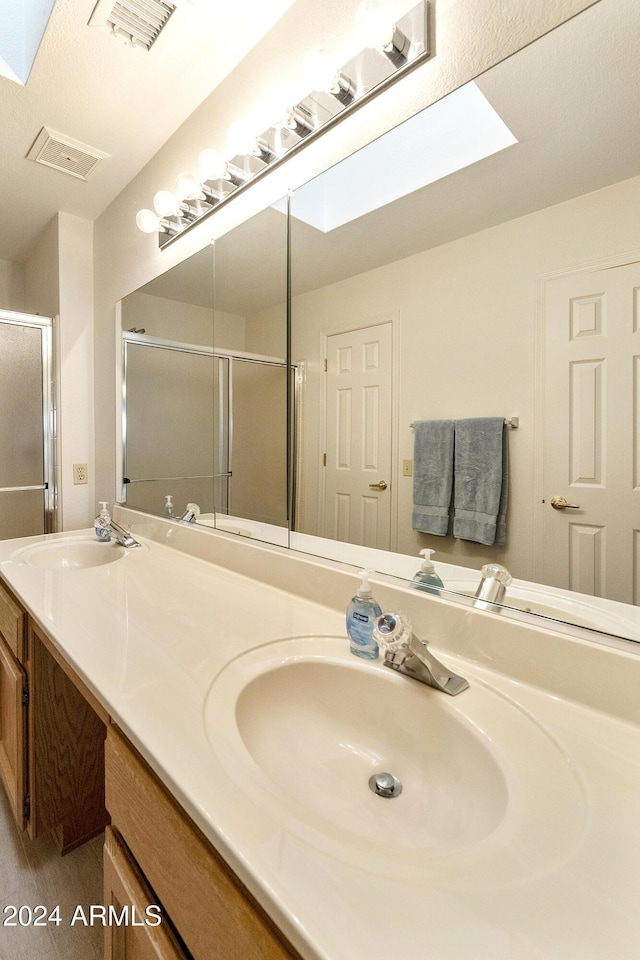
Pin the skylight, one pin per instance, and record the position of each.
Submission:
(22, 26)
(453, 133)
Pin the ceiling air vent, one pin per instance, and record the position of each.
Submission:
(62, 153)
(137, 22)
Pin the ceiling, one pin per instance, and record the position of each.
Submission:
(570, 99)
(124, 102)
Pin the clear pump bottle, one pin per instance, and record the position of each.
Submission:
(168, 507)
(426, 576)
(362, 613)
(102, 523)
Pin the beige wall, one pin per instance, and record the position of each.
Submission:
(470, 36)
(11, 286)
(466, 316)
(168, 319)
(59, 284)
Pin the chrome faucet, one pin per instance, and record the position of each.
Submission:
(493, 585)
(191, 513)
(122, 536)
(409, 655)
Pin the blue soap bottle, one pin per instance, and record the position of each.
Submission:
(102, 523)
(426, 576)
(362, 613)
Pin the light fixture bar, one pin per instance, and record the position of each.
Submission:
(405, 46)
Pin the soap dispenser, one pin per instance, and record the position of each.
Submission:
(168, 507)
(102, 523)
(426, 576)
(362, 613)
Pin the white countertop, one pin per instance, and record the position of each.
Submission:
(150, 633)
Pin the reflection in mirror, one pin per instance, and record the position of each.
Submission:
(168, 390)
(205, 387)
(506, 285)
(250, 338)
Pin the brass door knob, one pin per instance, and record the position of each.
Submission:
(380, 485)
(561, 503)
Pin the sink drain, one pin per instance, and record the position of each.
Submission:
(385, 785)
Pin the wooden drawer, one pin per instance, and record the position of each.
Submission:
(215, 916)
(12, 621)
(128, 894)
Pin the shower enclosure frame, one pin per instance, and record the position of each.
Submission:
(49, 424)
(224, 447)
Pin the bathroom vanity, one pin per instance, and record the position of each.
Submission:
(240, 736)
(51, 735)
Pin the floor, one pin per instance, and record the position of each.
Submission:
(33, 873)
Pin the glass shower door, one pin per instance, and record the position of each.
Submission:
(26, 490)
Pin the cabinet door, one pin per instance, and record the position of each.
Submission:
(13, 730)
(127, 895)
(66, 750)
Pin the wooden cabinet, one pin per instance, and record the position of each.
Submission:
(66, 733)
(135, 929)
(216, 917)
(52, 733)
(13, 731)
(13, 705)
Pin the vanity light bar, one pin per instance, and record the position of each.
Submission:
(389, 51)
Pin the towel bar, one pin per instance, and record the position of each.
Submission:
(513, 422)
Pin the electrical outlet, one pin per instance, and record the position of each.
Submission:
(80, 473)
(407, 468)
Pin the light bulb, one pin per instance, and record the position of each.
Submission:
(241, 140)
(147, 221)
(321, 69)
(165, 204)
(187, 187)
(374, 25)
(211, 165)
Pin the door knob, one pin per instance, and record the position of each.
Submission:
(561, 503)
(380, 485)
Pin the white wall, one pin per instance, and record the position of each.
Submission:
(75, 338)
(59, 283)
(11, 286)
(470, 36)
(168, 319)
(467, 314)
(41, 274)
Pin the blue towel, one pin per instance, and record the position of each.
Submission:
(480, 480)
(432, 476)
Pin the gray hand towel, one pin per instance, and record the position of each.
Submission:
(480, 480)
(432, 475)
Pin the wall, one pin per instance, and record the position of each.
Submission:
(468, 312)
(168, 319)
(76, 414)
(59, 283)
(470, 36)
(11, 286)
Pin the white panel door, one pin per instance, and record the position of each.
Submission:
(357, 503)
(592, 440)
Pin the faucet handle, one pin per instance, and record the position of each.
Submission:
(392, 632)
(494, 582)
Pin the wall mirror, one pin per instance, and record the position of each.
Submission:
(168, 390)
(250, 338)
(205, 386)
(485, 279)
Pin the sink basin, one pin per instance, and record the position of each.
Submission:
(70, 554)
(301, 726)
